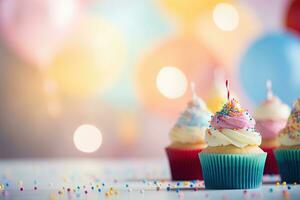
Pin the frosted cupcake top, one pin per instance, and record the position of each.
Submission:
(192, 123)
(232, 126)
(272, 108)
(290, 135)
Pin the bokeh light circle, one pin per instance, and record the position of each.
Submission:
(188, 11)
(218, 40)
(226, 16)
(87, 138)
(171, 82)
(187, 54)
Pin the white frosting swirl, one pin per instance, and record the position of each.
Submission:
(188, 134)
(239, 138)
(272, 109)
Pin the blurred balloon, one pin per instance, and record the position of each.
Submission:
(91, 59)
(269, 15)
(147, 28)
(228, 25)
(189, 61)
(35, 28)
(292, 20)
(189, 11)
(273, 56)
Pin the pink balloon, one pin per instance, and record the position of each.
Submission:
(35, 28)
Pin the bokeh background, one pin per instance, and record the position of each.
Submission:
(108, 78)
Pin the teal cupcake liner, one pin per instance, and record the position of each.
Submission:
(288, 161)
(232, 171)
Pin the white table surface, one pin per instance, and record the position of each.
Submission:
(129, 179)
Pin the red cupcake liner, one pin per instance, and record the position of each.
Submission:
(184, 164)
(271, 164)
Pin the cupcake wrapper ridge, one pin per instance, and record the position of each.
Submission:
(184, 164)
(288, 161)
(271, 164)
(232, 171)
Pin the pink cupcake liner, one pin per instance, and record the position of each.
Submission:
(184, 164)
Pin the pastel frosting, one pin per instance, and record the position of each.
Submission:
(232, 126)
(272, 109)
(290, 135)
(271, 116)
(269, 129)
(192, 123)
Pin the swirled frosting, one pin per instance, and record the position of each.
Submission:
(272, 109)
(232, 126)
(290, 135)
(271, 116)
(192, 123)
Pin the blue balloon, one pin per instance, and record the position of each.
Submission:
(274, 56)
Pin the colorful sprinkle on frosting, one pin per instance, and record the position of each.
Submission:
(196, 113)
(232, 126)
(290, 135)
(192, 123)
(232, 116)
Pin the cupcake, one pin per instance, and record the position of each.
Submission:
(233, 159)
(271, 116)
(188, 139)
(288, 154)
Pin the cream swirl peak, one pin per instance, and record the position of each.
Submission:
(196, 113)
(232, 116)
(290, 135)
(272, 108)
(192, 123)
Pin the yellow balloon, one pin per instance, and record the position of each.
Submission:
(188, 11)
(218, 97)
(91, 59)
(218, 93)
(215, 103)
(227, 30)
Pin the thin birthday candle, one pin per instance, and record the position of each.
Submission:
(269, 89)
(228, 92)
(193, 90)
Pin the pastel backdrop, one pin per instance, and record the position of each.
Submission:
(110, 78)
